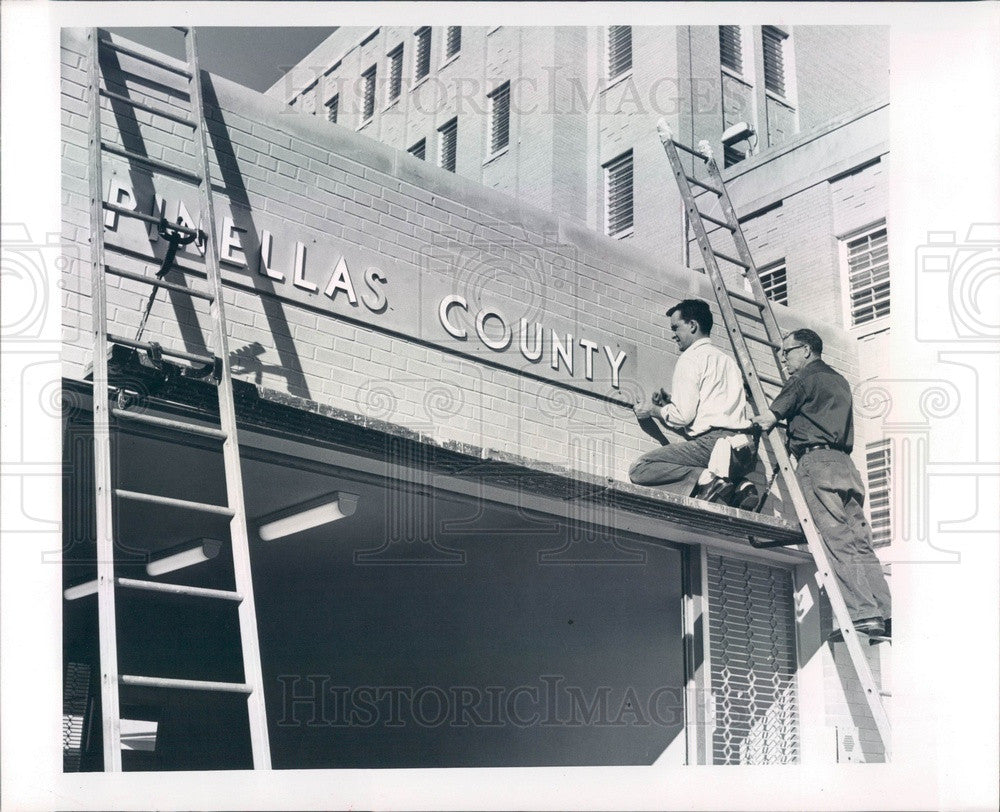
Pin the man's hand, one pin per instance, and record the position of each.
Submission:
(644, 411)
(661, 397)
(765, 420)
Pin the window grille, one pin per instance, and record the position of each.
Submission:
(395, 72)
(618, 194)
(499, 104)
(868, 275)
(774, 280)
(448, 146)
(753, 662)
(333, 109)
(368, 78)
(452, 41)
(419, 150)
(774, 59)
(619, 50)
(422, 62)
(879, 458)
(731, 47)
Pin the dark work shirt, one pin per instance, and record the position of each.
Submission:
(817, 403)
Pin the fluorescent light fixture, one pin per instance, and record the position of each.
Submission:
(175, 559)
(307, 515)
(741, 131)
(80, 590)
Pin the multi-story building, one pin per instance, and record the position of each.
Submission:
(564, 119)
(462, 365)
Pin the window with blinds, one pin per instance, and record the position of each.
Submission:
(422, 54)
(452, 41)
(774, 280)
(618, 195)
(419, 150)
(731, 47)
(333, 109)
(448, 145)
(619, 50)
(879, 458)
(867, 257)
(395, 72)
(499, 107)
(774, 59)
(368, 89)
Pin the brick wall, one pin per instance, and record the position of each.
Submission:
(324, 183)
(839, 67)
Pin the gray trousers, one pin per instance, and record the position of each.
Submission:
(835, 495)
(677, 466)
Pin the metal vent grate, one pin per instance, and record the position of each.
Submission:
(774, 59)
(731, 47)
(619, 50)
(752, 627)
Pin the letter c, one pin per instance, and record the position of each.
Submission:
(446, 303)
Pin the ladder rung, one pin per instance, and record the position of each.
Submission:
(742, 297)
(179, 589)
(768, 379)
(186, 684)
(765, 341)
(143, 58)
(148, 218)
(689, 150)
(703, 185)
(159, 283)
(728, 258)
(716, 221)
(142, 345)
(153, 162)
(148, 108)
(174, 425)
(156, 499)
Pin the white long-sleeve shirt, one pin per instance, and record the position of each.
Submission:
(707, 392)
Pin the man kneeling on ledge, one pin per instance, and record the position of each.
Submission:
(707, 402)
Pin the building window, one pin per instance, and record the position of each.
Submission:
(619, 50)
(422, 59)
(618, 195)
(368, 101)
(419, 150)
(774, 59)
(774, 280)
(448, 145)
(395, 72)
(733, 153)
(452, 41)
(333, 109)
(879, 456)
(731, 48)
(867, 257)
(499, 102)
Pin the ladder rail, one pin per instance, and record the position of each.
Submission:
(239, 530)
(814, 540)
(111, 678)
(107, 627)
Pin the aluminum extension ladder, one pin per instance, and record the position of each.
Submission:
(760, 303)
(101, 47)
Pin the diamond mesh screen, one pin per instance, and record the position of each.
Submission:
(752, 626)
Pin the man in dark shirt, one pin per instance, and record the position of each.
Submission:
(818, 406)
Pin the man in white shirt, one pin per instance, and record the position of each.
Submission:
(707, 402)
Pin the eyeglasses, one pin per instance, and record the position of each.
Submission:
(784, 352)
